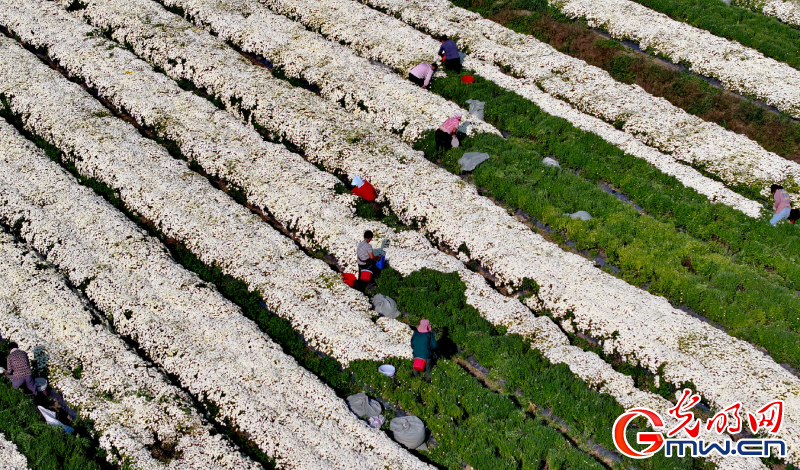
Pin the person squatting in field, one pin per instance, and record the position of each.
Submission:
(448, 51)
(445, 135)
(18, 369)
(782, 204)
(422, 74)
(423, 344)
(365, 254)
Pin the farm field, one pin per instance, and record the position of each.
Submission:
(176, 216)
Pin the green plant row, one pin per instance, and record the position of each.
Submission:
(702, 275)
(524, 374)
(775, 251)
(45, 447)
(753, 241)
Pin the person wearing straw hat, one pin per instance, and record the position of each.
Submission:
(445, 134)
(364, 189)
(18, 369)
(423, 343)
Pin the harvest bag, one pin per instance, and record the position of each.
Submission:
(408, 430)
(419, 364)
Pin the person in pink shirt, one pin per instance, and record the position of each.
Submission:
(446, 133)
(422, 74)
(782, 204)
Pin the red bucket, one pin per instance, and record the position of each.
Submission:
(366, 275)
(467, 79)
(419, 364)
(349, 279)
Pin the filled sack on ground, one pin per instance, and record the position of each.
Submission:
(385, 306)
(408, 430)
(470, 160)
(363, 406)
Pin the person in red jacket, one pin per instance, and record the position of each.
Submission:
(363, 189)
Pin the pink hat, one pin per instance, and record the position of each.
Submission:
(424, 326)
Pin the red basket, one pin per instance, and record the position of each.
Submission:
(349, 279)
(467, 79)
(419, 364)
(366, 275)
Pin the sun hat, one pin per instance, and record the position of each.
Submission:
(424, 326)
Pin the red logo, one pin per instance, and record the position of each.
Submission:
(769, 419)
(655, 439)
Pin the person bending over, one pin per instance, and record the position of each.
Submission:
(448, 51)
(422, 74)
(18, 369)
(782, 205)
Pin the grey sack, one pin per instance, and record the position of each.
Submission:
(362, 406)
(470, 160)
(476, 108)
(409, 431)
(386, 306)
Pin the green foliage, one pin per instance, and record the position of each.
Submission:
(620, 69)
(46, 447)
(526, 376)
(473, 424)
(751, 294)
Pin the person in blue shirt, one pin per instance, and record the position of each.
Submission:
(449, 54)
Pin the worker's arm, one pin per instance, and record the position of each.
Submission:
(428, 76)
(372, 256)
(441, 50)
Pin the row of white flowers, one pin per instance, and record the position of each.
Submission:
(184, 325)
(10, 458)
(642, 327)
(368, 90)
(276, 180)
(787, 11)
(380, 37)
(732, 157)
(738, 68)
(299, 196)
(184, 206)
(50, 321)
